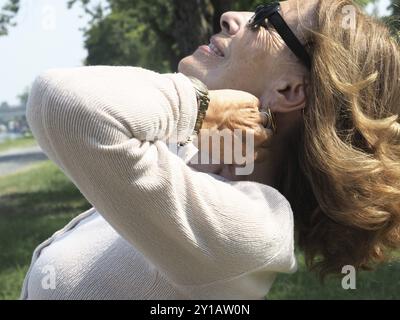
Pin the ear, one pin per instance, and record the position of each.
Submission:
(287, 94)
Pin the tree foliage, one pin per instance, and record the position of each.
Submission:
(7, 15)
(23, 97)
(154, 34)
(395, 6)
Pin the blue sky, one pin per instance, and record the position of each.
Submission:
(47, 36)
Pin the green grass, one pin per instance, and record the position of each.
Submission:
(383, 283)
(36, 202)
(22, 142)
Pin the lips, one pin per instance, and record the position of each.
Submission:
(216, 47)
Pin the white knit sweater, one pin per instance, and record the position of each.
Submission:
(158, 229)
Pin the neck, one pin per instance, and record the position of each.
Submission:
(266, 171)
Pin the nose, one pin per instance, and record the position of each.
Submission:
(231, 22)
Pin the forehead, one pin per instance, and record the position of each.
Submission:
(299, 15)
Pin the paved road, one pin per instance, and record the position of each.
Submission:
(14, 160)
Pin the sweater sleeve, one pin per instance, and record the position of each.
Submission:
(105, 128)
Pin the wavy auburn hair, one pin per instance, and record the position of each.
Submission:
(343, 170)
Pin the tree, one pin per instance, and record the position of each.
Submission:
(396, 8)
(154, 34)
(4, 106)
(23, 97)
(395, 21)
(7, 14)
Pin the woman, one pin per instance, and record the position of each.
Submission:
(162, 230)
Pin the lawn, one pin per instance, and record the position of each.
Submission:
(40, 200)
(383, 283)
(27, 141)
(34, 204)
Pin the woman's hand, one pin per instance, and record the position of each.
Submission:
(238, 112)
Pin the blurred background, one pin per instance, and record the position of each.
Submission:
(36, 199)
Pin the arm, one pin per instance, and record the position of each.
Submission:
(103, 126)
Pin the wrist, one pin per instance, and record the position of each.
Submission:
(212, 118)
(203, 101)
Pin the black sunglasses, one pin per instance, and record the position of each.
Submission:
(270, 13)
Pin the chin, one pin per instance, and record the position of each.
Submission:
(182, 66)
(191, 67)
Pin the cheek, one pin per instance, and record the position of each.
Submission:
(253, 52)
(239, 76)
(247, 70)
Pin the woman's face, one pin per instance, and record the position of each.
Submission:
(253, 61)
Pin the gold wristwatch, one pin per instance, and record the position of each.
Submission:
(203, 100)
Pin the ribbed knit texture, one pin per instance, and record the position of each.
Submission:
(158, 229)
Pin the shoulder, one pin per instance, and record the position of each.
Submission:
(274, 205)
(278, 222)
(268, 198)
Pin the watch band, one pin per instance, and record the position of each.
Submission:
(203, 101)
